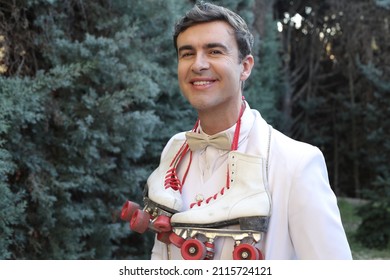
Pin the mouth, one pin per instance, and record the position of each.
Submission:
(202, 82)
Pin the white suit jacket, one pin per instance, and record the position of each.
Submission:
(305, 221)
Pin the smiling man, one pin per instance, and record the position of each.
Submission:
(234, 187)
(211, 73)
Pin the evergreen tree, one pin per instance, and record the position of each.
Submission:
(264, 88)
(337, 65)
(11, 204)
(85, 130)
(374, 231)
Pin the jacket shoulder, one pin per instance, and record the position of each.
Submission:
(289, 154)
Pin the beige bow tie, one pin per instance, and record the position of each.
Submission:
(197, 141)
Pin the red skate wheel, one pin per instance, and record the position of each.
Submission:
(164, 237)
(261, 256)
(176, 240)
(128, 210)
(246, 252)
(162, 223)
(139, 221)
(193, 249)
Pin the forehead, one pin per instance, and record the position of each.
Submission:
(208, 32)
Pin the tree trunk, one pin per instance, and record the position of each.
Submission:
(354, 139)
(262, 8)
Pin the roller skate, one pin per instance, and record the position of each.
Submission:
(162, 197)
(244, 201)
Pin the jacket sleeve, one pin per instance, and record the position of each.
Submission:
(315, 224)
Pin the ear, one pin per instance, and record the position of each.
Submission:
(247, 65)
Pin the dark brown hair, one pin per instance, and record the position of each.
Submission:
(206, 12)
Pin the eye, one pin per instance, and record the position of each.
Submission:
(186, 54)
(215, 52)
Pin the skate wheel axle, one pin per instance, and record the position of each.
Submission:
(193, 249)
(246, 252)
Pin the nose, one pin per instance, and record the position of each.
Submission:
(200, 64)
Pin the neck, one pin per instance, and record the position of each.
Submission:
(220, 120)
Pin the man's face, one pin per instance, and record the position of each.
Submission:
(209, 71)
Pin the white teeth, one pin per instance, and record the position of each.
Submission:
(201, 83)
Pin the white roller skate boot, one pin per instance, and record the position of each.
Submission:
(244, 201)
(162, 196)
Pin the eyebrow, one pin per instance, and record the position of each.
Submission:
(207, 46)
(185, 48)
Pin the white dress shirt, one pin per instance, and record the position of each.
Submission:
(305, 221)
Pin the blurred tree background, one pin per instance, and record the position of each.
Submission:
(89, 97)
